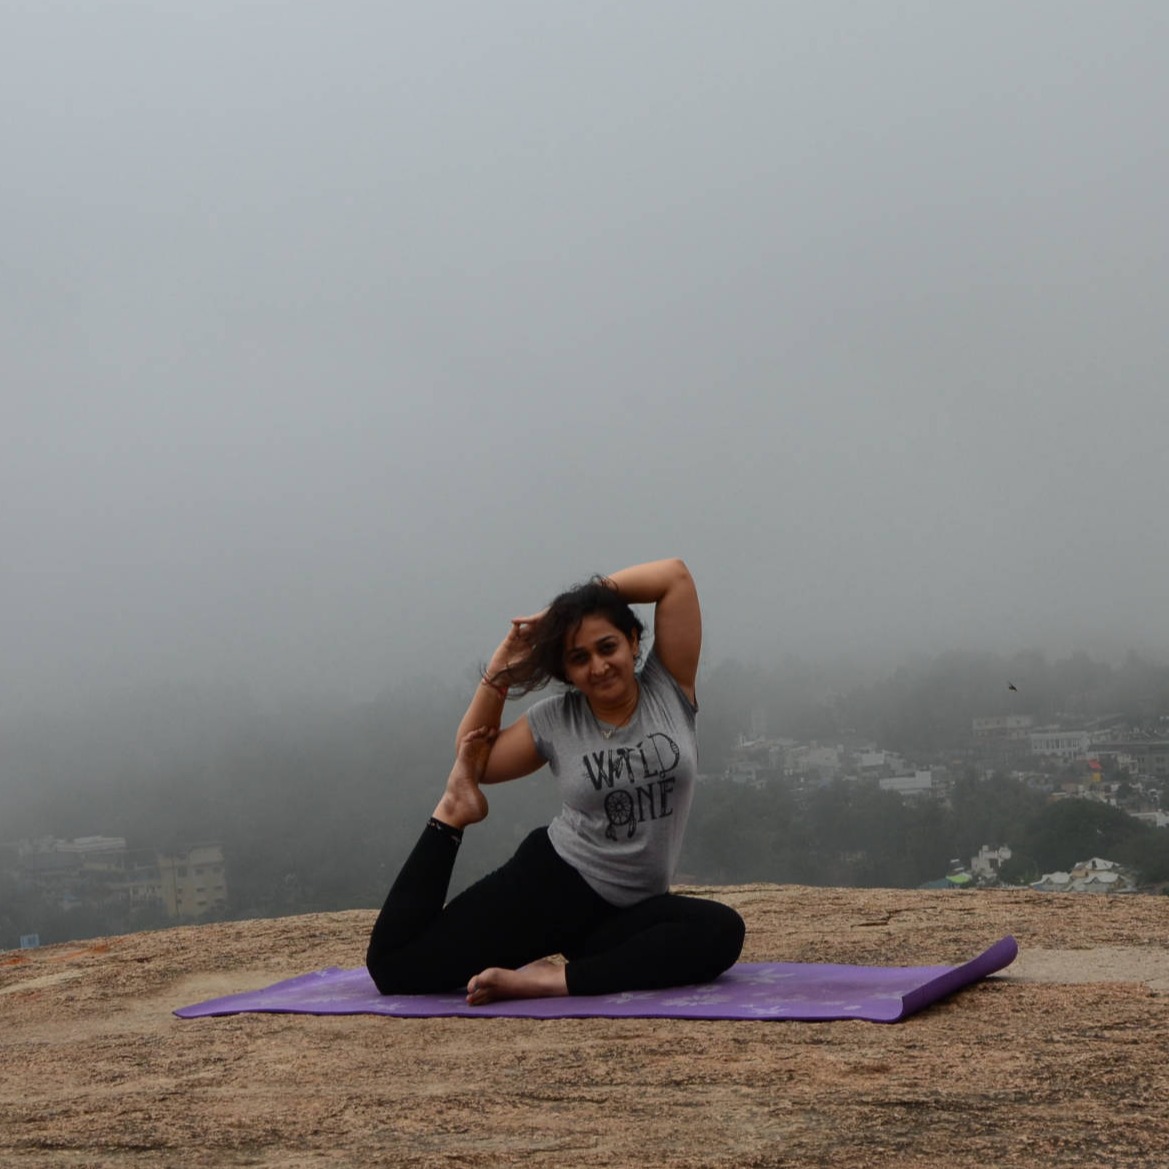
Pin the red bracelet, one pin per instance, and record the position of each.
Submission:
(500, 690)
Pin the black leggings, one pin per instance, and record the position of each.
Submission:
(536, 905)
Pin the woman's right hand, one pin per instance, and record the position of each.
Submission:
(528, 624)
(514, 648)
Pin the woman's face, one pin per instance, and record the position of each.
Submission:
(600, 661)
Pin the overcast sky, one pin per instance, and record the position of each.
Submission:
(334, 335)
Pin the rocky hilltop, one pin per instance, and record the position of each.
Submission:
(1058, 1061)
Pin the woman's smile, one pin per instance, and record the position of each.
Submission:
(601, 660)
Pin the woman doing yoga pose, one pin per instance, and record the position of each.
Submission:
(594, 885)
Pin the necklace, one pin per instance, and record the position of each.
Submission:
(608, 730)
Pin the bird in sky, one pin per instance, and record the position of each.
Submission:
(1012, 686)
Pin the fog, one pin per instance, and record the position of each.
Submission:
(333, 336)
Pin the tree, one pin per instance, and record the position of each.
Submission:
(1077, 830)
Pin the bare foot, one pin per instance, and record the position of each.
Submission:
(463, 803)
(537, 980)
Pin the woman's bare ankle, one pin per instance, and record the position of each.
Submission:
(463, 802)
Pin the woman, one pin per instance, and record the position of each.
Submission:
(593, 885)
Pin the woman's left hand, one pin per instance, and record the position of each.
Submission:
(525, 626)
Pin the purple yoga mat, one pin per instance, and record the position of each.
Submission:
(749, 990)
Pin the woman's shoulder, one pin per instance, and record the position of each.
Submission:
(658, 680)
(554, 712)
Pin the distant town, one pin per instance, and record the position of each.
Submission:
(1105, 762)
(99, 872)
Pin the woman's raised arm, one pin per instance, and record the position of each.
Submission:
(669, 587)
(513, 753)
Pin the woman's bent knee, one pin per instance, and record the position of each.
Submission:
(385, 974)
(724, 934)
(735, 934)
(392, 974)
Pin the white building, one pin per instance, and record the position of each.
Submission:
(1064, 744)
(1091, 876)
(989, 860)
(875, 762)
(1156, 818)
(920, 783)
(827, 761)
(1001, 726)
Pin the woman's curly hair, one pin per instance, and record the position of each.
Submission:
(545, 659)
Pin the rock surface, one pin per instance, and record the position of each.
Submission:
(1058, 1061)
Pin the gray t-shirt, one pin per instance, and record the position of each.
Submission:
(626, 797)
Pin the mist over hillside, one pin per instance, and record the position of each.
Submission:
(333, 339)
(315, 808)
